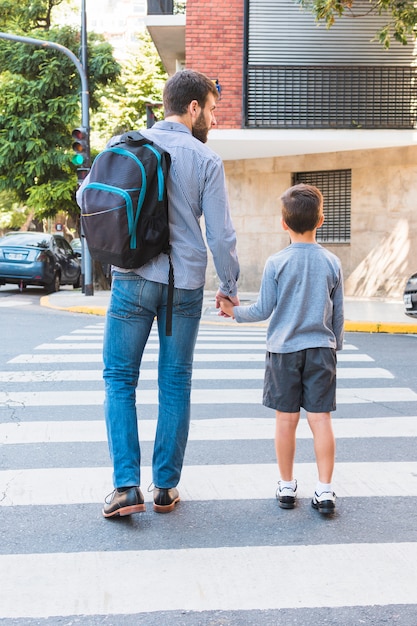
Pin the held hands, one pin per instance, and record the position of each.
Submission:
(226, 304)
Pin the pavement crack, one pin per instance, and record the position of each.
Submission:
(4, 495)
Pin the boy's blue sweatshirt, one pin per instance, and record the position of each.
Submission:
(302, 291)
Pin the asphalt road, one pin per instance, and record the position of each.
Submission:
(227, 556)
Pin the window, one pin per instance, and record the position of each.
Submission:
(301, 76)
(335, 186)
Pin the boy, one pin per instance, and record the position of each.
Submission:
(302, 291)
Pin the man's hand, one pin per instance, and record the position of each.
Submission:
(226, 304)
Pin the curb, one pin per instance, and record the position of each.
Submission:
(401, 328)
(92, 310)
(394, 328)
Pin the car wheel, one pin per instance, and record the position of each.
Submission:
(54, 285)
(77, 283)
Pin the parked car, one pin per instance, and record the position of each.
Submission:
(76, 245)
(410, 296)
(32, 258)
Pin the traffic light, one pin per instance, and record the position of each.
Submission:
(81, 148)
(82, 173)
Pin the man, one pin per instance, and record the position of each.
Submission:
(196, 187)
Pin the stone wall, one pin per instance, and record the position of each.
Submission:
(382, 252)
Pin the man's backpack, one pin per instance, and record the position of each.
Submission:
(124, 205)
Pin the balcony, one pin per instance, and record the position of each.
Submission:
(166, 7)
(166, 25)
(334, 97)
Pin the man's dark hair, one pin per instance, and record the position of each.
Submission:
(184, 87)
(302, 207)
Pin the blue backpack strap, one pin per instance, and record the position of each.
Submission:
(160, 173)
(133, 137)
(142, 193)
(132, 215)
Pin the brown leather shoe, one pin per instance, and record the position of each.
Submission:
(165, 499)
(124, 502)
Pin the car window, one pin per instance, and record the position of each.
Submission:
(67, 247)
(63, 245)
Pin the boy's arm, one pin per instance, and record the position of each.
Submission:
(266, 302)
(338, 313)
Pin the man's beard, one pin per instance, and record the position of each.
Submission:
(200, 130)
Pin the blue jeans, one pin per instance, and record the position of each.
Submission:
(133, 306)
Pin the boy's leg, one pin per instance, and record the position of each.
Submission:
(285, 442)
(324, 444)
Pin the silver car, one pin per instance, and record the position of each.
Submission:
(410, 296)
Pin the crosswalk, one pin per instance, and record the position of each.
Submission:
(228, 554)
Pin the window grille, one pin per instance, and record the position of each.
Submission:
(335, 185)
(331, 97)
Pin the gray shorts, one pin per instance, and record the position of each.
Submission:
(306, 379)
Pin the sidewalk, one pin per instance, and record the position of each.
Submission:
(370, 315)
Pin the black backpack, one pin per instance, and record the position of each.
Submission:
(124, 205)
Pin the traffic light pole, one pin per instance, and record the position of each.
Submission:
(85, 121)
(85, 107)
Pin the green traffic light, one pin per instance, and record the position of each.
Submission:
(78, 159)
(80, 147)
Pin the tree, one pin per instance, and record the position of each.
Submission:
(12, 215)
(401, 15)
(40, 104)
(142, 81)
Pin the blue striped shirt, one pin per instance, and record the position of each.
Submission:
(196, 187)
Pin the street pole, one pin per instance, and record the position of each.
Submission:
(57, 46)
(85, 120)
(85, 104)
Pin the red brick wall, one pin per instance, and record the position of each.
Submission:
(214, 46)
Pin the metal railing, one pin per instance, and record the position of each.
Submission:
(166, 7)
(295, 96)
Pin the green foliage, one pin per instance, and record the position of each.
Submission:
(401, 15)
(142, 81)
(40, 105)
(26, 16)
(12, 215)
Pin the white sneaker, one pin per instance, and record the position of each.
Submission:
(286, 496)
(325, 502)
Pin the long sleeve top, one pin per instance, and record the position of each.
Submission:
(302, 294)
(196, 187)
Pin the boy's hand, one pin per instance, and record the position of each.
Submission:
(226, 304)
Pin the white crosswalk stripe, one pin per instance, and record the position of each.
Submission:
(13, 302)
(201, 357)
(239, 575)
(219, 429)
(202, 482)
(151, 374)
(354, 395)
(365, 573)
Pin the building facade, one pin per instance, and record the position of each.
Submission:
(300, 103)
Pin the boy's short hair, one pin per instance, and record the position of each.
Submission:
(302, 207)
(184, 87)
